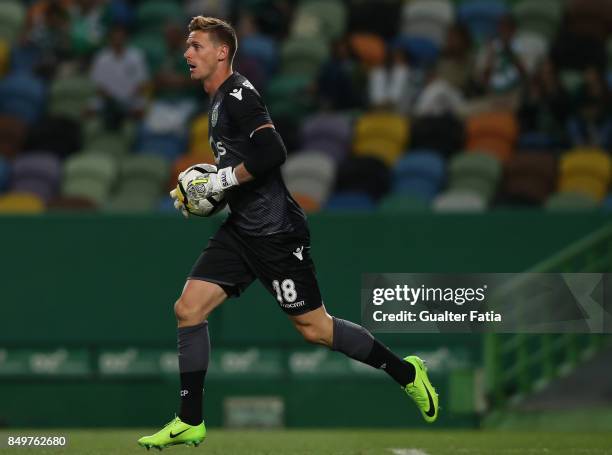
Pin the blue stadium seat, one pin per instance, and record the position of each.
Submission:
(22, 95)
(4, 173)
(350, 201)
(422, 51)
(420, 172)
(482, 16)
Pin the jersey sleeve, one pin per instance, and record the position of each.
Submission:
(246, 108)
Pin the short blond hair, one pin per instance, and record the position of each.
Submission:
(219, 30)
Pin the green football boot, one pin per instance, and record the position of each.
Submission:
(175, 432)
(421, 390)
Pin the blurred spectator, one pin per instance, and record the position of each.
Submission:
(87, 26)
(172, 81)
(341, 81)
(120, 74)
(592, 120)
(457, 59)
(390, 85)
(439, 98)
(545, 105)
(48, 35)
(501, 69)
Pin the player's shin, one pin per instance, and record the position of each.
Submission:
(193, 354)
(359, 344)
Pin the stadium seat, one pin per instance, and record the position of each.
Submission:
(37, 173)
(5, 172)
(153, 46)
(151, 15)
(310, 173)
(383, 135)
(70, 204)
(460, 201)
(110, 143)
(59, 135)
(13, 133)
(261, 48)
(168, 145)
(475, 172)
(303, 56)
(529, 178)
(607, 203)
(492, 132)
(198, 140)
(363, 174)
(542, 17)
(400, 202)
(327, 132)
(427, 19)
(350, 202)
(288, 98)
(419, 173)
(586, 170)
(588, 18)
(12, 19)
(316, 17)
(21, 203)
(423, 51)
(5, 53)
(89, 176)
(308, 204)
(71, 96)
(568, 201)
(369, 48)
(442, 133)
(22, 95)
(481, 16)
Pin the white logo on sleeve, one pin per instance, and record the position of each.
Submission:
(298, 253)
(237, 93)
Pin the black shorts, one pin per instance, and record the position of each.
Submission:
(281, 262)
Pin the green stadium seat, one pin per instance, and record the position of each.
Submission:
(71, 96)
(303, 55)
(327, 16)
(542, 17)
(570, 201)
(152, 15)
(90, 176)
(475, 172)
(114, 144)
(153, 46)
(287, 96)
(12, 18)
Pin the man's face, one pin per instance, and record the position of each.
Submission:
(203, 55)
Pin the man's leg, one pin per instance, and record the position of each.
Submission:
(356, 342)
(197, 301)
(318, 327)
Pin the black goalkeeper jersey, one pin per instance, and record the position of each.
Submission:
(262, 206)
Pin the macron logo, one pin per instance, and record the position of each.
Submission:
(237, 93)
(298, 253)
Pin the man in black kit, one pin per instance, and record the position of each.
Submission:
(266, 237)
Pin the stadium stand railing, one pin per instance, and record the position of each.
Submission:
(519, 363)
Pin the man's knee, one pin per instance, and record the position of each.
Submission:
(197, 301)
(315, 333)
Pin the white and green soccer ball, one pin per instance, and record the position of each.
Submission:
(191, 189)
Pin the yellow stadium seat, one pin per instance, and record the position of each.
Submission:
(5, 51)
(384, 149)
(585, 184)
(21, 203)
(582, 161)
(198, 144)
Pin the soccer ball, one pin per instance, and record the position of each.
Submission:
(191, 188)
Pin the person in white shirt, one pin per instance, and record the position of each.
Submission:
(120, 74)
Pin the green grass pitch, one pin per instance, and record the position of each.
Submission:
(328, 442)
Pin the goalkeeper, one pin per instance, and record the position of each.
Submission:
(265, 237)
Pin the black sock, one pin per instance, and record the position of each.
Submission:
(192, 385)
(359, 344)
(193, 354)
(381, 357)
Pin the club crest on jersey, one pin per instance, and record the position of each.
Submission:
(214, 115)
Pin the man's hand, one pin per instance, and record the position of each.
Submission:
(178, 204)
(217, 183)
